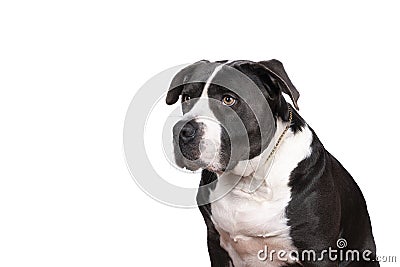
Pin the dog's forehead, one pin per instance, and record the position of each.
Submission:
(219, 75)
(201, 72)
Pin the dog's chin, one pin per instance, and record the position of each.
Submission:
(191, 165)
(191, 168)
(215, 167)
(194, 166)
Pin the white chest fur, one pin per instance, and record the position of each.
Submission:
(248, 221)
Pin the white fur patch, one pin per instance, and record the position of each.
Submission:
(246, 219)
(210, 143)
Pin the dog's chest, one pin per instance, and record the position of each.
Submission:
(260, 213)
(247, 223)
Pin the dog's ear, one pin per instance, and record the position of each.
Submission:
(279, 76)
(179, 80)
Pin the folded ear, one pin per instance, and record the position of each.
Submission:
(277, 71)
(179, 80)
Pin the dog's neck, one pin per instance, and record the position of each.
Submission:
(258, 166)
(266, 172)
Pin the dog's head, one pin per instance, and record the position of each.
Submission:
(230, 110)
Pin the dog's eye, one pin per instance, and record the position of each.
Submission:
(185, 98)
(228, 100)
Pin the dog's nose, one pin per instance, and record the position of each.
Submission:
(188, 132)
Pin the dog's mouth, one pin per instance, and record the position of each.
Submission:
(193, 165)
(204, 156)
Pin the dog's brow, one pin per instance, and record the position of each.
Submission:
(193, 88)
(214, 88)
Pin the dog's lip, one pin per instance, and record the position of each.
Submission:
(189, 168)
(217, 171)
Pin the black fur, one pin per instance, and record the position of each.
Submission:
(326, 205)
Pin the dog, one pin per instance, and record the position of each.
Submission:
(239, 129)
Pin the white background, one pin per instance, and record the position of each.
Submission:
(69, 69)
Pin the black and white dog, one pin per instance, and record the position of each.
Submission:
(305, 199)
